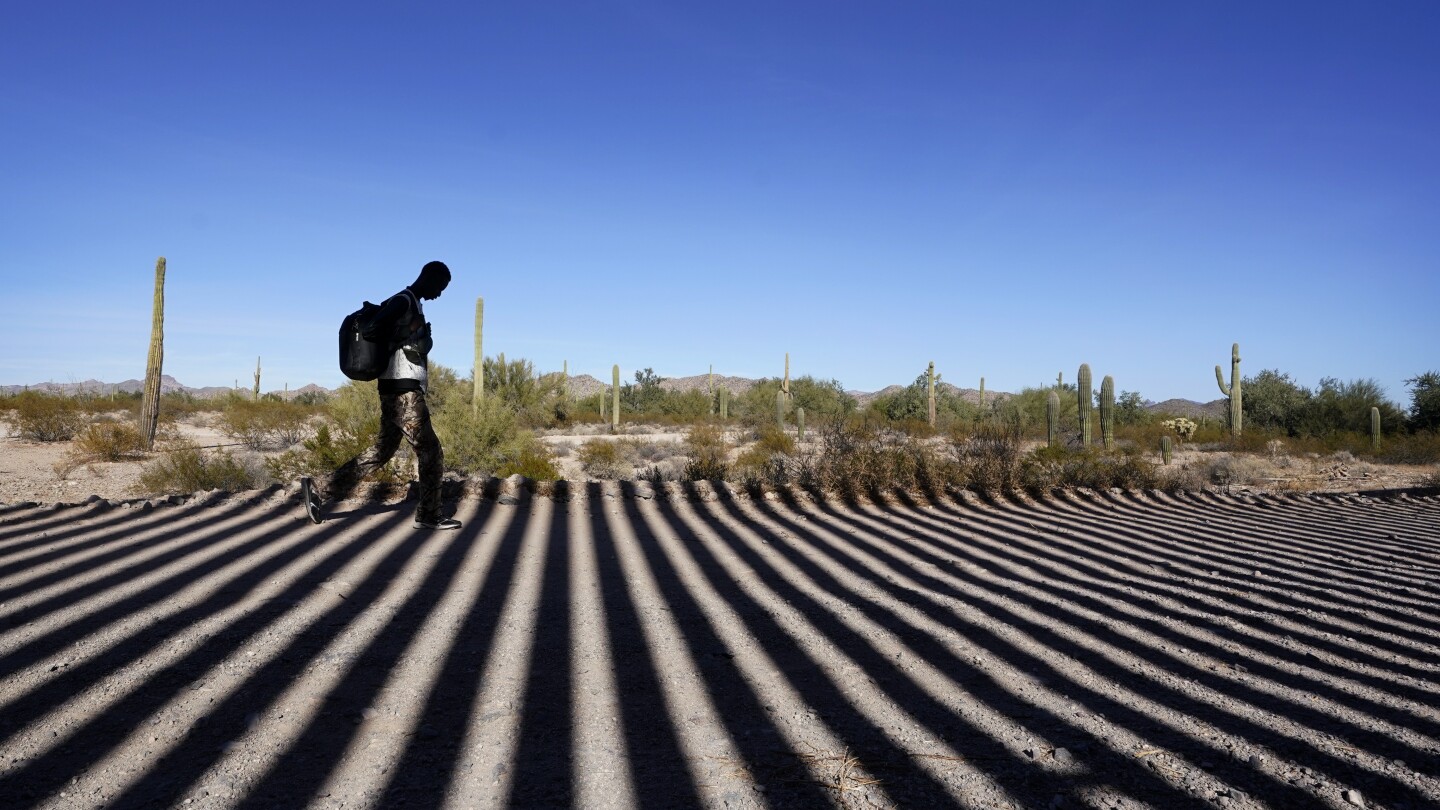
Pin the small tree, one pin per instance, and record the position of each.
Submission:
(1425, 401)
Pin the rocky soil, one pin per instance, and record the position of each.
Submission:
(616, 645)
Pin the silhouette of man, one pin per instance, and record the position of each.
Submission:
(403, 413)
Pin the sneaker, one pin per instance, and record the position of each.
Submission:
(437, 523)
(310, 499)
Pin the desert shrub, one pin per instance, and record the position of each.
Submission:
(990, 460)
(768, 461)
(1052, 468)
(604, 459)
(109, 441)
(862, 457)
(47, 417)
(1413, 448)
(820, 399)
(483, 440)
(1231, 470)
(265, 424)
(187, 468)
(535, 400)
(532, 461)
(708, 451)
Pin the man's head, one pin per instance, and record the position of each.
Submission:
(434, 278)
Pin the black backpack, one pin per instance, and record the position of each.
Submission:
(364, 352)
(361, 358)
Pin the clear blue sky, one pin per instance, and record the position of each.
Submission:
(1008, 189)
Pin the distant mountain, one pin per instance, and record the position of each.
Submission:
(584, 385)
(168, 384)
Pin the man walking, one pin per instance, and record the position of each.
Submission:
(403, 413)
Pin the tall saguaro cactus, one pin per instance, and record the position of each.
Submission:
(257, 380)
(785, 384)
(1107, 412)
(1052, 419)
(1084, 400)
(780, 409)
(615, 397)
(1232, 390)
(1374, 428)
(724, 404)
(150, 401)
(982, 393)
(479, 385)
(930, 397)
(800, 424)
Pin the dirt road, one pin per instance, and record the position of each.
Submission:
(616, 649)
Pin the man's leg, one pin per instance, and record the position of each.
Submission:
(343, 481)
(420, 434)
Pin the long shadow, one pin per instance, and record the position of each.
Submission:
(1147, 588)
(1363, 605)
(656, 757)
(545, 750)
(1311, 563)
(116, 524)
(1018, 777)
(1083, 594)
(1319, 546)
(300, 772)
(94, 739)
(739, 707)
(1173, 552)
(1210, 550)
(914, 787)
(1350, 526)
(47, 519)
(119, 552)
(966, 585)
(428, 767)
(60, 637)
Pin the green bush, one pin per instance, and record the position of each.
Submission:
(187, 468)
(604, 459)
(109, 441)
(533, 462)
(265, 424)
(708, 451)
(47, 417)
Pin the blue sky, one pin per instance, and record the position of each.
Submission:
(1008, 189)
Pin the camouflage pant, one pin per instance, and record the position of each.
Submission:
(402, 416)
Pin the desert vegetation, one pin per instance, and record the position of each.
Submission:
(778, 432)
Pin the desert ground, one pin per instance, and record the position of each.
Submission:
(617, 644)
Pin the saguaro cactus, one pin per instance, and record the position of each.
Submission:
(1107, 412)
(1232, 390)
(604, 398)
(1165, 449)
(503, 369)
(150, 401)
(565, 379)
(1084, 400)
(785, 384)
(1052, 419)
(800, 423)
(724, 404)
(982, 393)
(479, 385)
(1060, 381)
(1374, 428)
(615, 396)
(930, 399)
(780, 409)
(257, 380)
(710, 389)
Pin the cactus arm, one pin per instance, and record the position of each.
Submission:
(1220, 381)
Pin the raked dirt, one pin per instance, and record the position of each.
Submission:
(616, 646)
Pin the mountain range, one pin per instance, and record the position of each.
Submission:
(583, 385)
